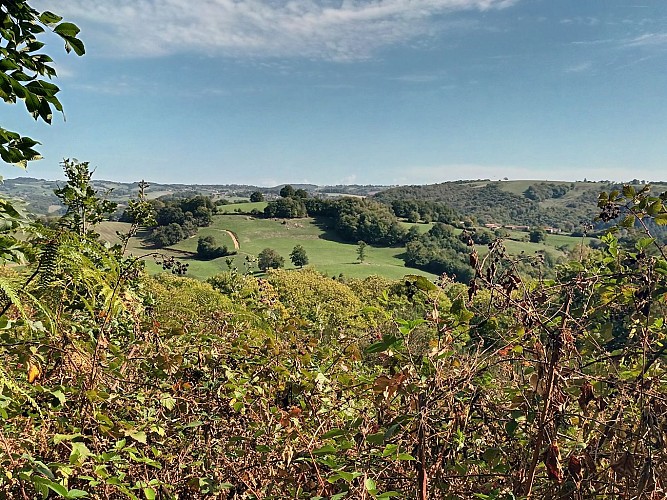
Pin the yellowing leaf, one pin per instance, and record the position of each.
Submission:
(34, 372)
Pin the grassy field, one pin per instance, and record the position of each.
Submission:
(245, 208)
(326, 252)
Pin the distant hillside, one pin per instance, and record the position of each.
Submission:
(38, 193)
(564, 205)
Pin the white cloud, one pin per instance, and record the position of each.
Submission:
(470, 171)
(649, 39)
(319, 29)
(579, 68)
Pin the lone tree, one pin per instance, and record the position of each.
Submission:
(537, 235)
(287, 191)
(208, 248)
(256, 196)
(269, 259)
(298, 256)
(361, 251)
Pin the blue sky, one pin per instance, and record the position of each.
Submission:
(355, 91)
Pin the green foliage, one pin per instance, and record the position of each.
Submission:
(269, 259)
(361, 219)
(180, 218)
(440, 251)
(537, 235)
(287, 208)
(84, 208)
(164, 236)
(208, 248)
(361, 251)
(543, 191)
(562, 205)
(22, 68)
(256, 196)
(287, 191)
(296, 385)
(298, 256)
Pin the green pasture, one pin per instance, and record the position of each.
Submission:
(245, 208)
(326, 252)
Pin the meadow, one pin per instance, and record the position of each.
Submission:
(326, 252)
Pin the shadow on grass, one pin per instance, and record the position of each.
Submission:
(326, 225)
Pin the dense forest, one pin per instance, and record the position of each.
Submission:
(290, 384)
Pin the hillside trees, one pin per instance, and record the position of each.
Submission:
(287, 208)
(256, 196)
(369, 221)
(287, 191)
(178, 219)
(440, 251)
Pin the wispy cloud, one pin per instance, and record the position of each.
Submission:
(417, 78)
(319, 29)
(649, 40)
(579, 68)
(450, 172)
(587, 21)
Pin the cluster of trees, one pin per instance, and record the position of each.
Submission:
(425, 211)
(365, 220)
(545, 190)
(440, 251)
(353, 219)
(208, 248)
(290, 205)
(178, 218)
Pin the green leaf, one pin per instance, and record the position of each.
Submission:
(377, 438)
(60, 396)
(325, 450)
(139, 436)
(76, 45)
(67, 29)
(370, 486)
(48, 17)
(628, 221)
(386, 343)
(390, 449)
(59, 438)
(348, 477)
(661, 219)
(333, 433)
(80, 453)
(58, 489)
(629, 191)
(74, 493)
(150, 494)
